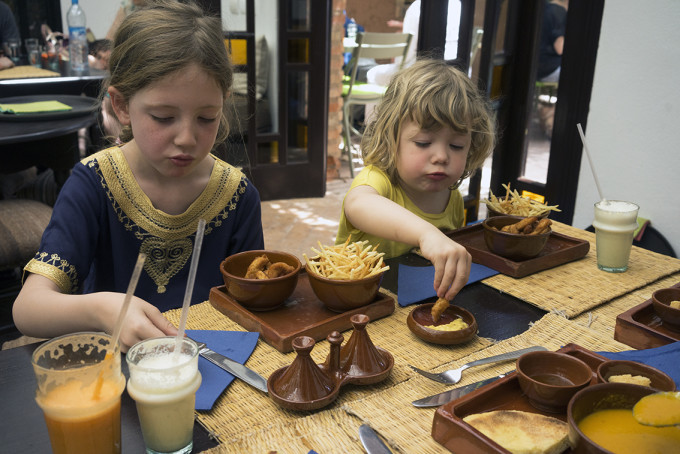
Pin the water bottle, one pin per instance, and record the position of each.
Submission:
(77, 37)
(352, 28)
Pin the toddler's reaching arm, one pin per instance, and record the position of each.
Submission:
(41, 310)
(372, 213)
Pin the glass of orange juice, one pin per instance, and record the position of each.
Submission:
(79, 388)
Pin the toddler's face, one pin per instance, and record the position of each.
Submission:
(431, 161)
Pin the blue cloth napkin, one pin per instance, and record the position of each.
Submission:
(415, 282)
(237, 345)
(666, 358)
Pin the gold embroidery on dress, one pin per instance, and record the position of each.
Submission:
(166, 238)
(55, 269)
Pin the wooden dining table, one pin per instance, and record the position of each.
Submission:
(570, 303)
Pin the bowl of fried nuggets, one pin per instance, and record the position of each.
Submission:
(346, 276)
(516, 238)
(260, 280)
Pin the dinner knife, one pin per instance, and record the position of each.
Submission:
(234, 368)
(448, 396)
(371, 441)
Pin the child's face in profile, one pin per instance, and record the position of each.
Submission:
(429, 161)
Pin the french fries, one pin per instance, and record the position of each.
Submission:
(348, 261)
(516, 205)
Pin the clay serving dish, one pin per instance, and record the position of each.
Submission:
(340, 295)
(659, 380)
(420, 319)
(490, 212)
(305, 385)
(513, 246)
(550, 379)
(259, 294)
(603, 396)
(661, 300)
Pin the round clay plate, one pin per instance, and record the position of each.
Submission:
(421, 317)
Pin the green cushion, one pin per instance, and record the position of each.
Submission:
(364, 90)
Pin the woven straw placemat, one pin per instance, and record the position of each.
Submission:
(413, 432)
(245, 420)
(22, 72)
(233, 414)
(579, 286)
(603, 318)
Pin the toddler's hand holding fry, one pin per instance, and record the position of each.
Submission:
(451, 262)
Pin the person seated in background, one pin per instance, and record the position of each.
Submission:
(126, 7)
(8, 30)
(100, 52)
(552, 41)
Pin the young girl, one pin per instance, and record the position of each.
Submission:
(170, 76)
(431, 130)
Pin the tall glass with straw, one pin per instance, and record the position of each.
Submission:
(615, 224)
(80, 384)
(164, 378)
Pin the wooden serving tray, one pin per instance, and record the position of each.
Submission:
(302, 314)
(453, 433)
(559, 249)
(641, 328)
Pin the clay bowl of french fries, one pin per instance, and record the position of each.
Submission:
(260, 280)
(516, 238)
(512, 204)
(454, 324)
(345, 276)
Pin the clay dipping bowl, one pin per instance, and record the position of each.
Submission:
(513, 246)
(661, 300)
(603, 396)
(420, 319)
(259, 294)
(490, 212)
(550, 379)
(340, 295)
(659, 380)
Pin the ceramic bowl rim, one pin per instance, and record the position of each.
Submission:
(341, 281)
(634, 364)
(272, 280)
(445, 337)
(564, 356)
(490, 228)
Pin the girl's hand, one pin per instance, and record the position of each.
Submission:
(142, 320)
(451, 263)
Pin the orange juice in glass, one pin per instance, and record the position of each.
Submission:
(79, 391)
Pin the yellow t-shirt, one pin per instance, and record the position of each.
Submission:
(449, 219)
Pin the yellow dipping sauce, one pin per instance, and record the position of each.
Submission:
(455, 325)
(675, 304)
(660, 409)
(618, 431)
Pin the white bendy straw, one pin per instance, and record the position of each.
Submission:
(590, 160)
(190, 284)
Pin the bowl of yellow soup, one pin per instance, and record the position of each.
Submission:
(601, 421)
(455, 325)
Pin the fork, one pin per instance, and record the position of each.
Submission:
(451, 377)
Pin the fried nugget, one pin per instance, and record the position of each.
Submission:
(279, 269)
(260, 263)
(542, 227)
(439, 308)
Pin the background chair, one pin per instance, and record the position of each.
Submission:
(381, 46)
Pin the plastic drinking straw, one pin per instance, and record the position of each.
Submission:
(136, 272)
(190, 284)
(590, 160)
(128, 297)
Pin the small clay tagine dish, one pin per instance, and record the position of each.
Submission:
(622, 371)
(259, 294)
(420, 323)
(663, 302)
(550, 379)
(512, 246)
